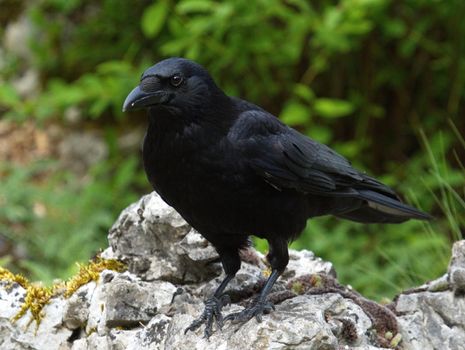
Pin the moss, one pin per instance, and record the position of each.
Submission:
(38, 295)
(8, 276)
(297, 287)
(90, 272)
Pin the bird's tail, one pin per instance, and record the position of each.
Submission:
(381, 204)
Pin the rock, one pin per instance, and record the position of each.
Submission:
(171, 269)
(433, 315)
(23, 334)
(457, 267)
(157, 243)
(129, 302)
(76, 312)
(432, 320)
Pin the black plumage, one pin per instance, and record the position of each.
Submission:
(232, 170)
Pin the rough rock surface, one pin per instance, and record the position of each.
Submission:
(170, 270)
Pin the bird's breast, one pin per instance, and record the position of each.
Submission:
(182, 165)
(214, 189)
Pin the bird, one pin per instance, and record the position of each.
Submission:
(233, 170)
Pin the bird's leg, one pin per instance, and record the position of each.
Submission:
(212, 311)
(278, 258)
(213, 305)
(259, 306)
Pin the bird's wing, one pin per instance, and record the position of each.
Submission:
(287, 159)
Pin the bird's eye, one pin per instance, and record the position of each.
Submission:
(176, 80)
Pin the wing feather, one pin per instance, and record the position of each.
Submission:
(287, 159)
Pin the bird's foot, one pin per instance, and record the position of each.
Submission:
(257, 309)
(212, 312)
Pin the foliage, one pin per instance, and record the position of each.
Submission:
(62, 221)
(356, 74)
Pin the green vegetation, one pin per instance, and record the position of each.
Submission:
(381, 81)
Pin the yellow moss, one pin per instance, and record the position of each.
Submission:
(9, 276)
(38, 295)
(91, 272)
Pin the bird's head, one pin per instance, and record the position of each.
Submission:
(175, 84)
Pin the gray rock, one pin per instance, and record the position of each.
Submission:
(172, 269)
(159, 245)
(130, 302)
(432, 316)
(76, 311)
(457, 268)
(23, 334)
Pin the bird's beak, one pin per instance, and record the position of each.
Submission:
(138, 99)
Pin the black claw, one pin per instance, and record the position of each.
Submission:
(212, 312)
(256, 310)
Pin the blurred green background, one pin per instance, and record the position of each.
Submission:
(381, 81)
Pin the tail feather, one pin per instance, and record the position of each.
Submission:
(382, 208)
(392, 206)
(369, 215)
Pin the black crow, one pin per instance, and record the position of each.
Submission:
(232, 170)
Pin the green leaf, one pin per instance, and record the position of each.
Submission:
(192, 6)
(8, 96)
(295, 113)
(154, 18)
(304, 92)
(333, 108)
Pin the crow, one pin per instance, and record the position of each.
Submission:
(231, 170)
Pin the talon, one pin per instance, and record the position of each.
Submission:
(256, 310)
(212, 312)
(219, 321)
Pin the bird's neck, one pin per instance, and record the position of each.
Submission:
(217, 117)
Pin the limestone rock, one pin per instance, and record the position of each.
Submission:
(158, 244)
